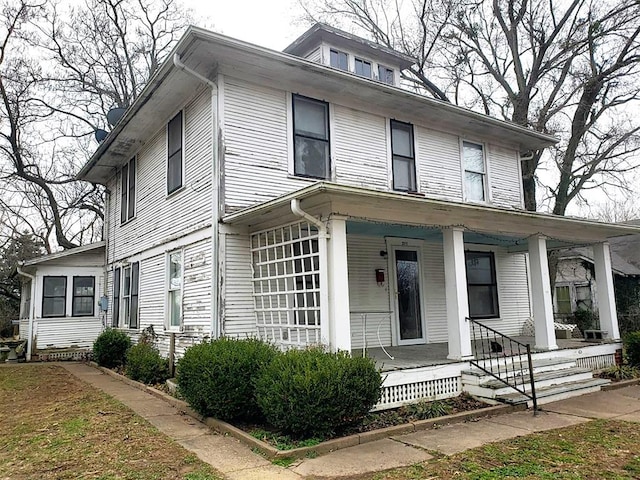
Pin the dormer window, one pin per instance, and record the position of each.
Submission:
(362, 68)
(385, 74)
(339, 60)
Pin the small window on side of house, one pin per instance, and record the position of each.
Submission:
(583, 297)
(403, 157)
(363, 68)
(174, 290)
(385, 75)
(311, 156)
(128, 191)
(474, 171)
(339, 60)
(174, 153)
(563, 300)
(54, 296)
(83, 304)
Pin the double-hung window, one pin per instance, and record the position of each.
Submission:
(385, 75)
(339, 59)
(174, 290)
(54, 296)
(482, 286)
(474, 171)
(363, 68)
(563, 299)
(128, 191)
(126, 282)
(174, 154)
(82, 303)
(403, 156)
(311, 137)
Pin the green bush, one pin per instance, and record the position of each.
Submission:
(312, 393)
(632, 348)
(144, 364)
(585, 319)
(110, 348)
(216, 378)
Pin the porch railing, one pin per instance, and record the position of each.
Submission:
(492, 351)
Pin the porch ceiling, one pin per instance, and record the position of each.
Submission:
(483, 224)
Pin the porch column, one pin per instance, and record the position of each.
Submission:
(541, 294)
(338, 286)
(606, 296)
(455, 280)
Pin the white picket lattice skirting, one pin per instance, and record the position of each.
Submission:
(437, 389)
(598, 362)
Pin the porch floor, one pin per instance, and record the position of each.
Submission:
(430, 354)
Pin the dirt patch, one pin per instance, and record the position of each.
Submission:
(55, 426)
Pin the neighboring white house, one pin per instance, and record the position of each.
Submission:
(60, 301)
(304, 197)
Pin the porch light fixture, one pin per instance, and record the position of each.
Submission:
(384, 254)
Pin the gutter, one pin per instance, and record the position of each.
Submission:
(323, 237)
(31, 308)
(215, 195)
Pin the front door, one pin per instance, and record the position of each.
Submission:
(408, 295)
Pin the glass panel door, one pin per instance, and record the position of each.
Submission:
(408, 303)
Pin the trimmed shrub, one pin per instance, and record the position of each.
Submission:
(110, 348)
(632, 348)
(216, 377)
(144, 364)
(313, 393)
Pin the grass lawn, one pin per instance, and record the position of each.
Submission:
(53, 426)
(602, 449)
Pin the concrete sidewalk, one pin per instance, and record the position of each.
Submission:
(237, 461)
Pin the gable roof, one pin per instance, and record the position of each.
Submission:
(210, 53)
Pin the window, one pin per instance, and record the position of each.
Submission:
(82, 303)
(563, 299)
(311, 137)
(363, 68)
(482, 287)
(583, 297)
(403, 156)
(339, 60)
(54, 297)
(128, 191)
(174, 154)
(126, 282)
(474, 171)
(174, 293)
(307, 281)
(385, 75)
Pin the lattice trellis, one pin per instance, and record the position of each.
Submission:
(286, 284)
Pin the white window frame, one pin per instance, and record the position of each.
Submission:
(463, 170)
(291, 139)
(183, 153)
(377, 74)
(125, 307)
(363, 60)
(390, 155)
(337, 50)
(168, 289)
(129, 217)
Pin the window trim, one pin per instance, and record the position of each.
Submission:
(168, 326)
(393, 74)
(329, 162)
(363, 61)
(44, 296)
(346, 54)
(412, 159)
(127, 208)
(119, 318)
(92, 296)
(485, 175)
(494, 274)
(182, 153)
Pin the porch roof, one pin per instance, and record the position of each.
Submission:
(497, 225)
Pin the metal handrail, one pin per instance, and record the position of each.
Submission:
(492, 347)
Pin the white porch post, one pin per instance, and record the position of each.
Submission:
(338, 286)
(541, 294)
(606, 296)
(455, 279)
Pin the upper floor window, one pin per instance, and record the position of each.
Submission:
(339, 59)
(403, 156)
(385, 75)
(126, 282)
(311, 137)
(174, 291)
(82, 304)
(54, 296)
(174, 153)
(128, 191)
(482, 286)
(474, 171)
(363, 68)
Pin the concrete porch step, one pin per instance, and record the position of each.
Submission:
(494, 388)
(557, 392)
(475, 376)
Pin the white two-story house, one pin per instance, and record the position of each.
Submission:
(304, 197)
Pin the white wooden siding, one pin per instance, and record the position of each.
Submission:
(238, 309)
(151, 297)
(438, 164)
(160, 217)
(504, 177)
(314, 55)
(197, 287)
(68, 332)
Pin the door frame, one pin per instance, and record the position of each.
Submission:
(393, 244)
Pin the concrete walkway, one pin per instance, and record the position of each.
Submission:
(237, 461)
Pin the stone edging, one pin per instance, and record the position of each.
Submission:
(620, 384)
(323, 447)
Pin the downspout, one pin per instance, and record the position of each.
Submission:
(32, 303)
(105, 236)
(215, 196)
(323, 236)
